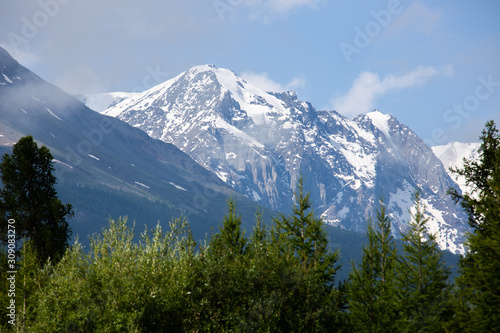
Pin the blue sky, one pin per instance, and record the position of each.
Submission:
(433, 65)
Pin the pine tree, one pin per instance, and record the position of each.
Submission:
(422, 277)
(225, 275)
(28, 196)
(307, 237)
(230, 236)
(30, 279)
(479, 281)
(316, 297)
(371, 286)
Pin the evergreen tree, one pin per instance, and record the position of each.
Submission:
(307, 237)
(479, 280)
(230, 236)
(371, 287)
(317, 300)
(422, 277)
(28, 196)
(224, 276)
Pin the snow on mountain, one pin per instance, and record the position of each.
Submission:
(380, 121)
(100, 158)
(102, 101)
(260, 142)
(452, 156)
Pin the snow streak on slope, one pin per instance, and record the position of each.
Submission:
(380, 121)
(260, 142)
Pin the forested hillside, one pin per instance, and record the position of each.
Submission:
(281, 276)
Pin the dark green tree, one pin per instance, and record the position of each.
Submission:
(422, 278)
(373, 305)
(307, 237)
(29, 278)
(224, 277)
(231, 237)
(28, 196)
(479, 280)
(303, 234)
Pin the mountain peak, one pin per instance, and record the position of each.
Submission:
(259, 143)
(380, 120)
(203, 68)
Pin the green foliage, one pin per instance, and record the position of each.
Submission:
(230, 239)
(422, 277)
(303, 235)
(120, 285)
(278, 279)
(29, 279)
(373, 305)
(478, 286)
(167, 283)
(28, 196)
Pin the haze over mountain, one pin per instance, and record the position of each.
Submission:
(105, 165)
(452, 155)
(103, 101)
(260, 142)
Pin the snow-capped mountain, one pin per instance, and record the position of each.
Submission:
(452, 155)
(102, 101)
(107, 162)
(260, 142)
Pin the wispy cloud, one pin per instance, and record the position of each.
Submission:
(81, 78)
(283, 6)
(25, 58)
(418, 18)
(266, 10)
(362, 96)
(264, 82)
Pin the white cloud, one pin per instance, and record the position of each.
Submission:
(80, 79)
(268, 9)
(264, 82)
(25, 58)
(368, 86)
(296, 83)
(283, 6)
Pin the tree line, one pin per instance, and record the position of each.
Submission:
(278, 278)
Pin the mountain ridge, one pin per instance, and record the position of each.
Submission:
(259, 143)
(94, 151)
(452, 156)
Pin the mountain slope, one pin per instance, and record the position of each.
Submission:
(103, 101)
(259, 143)
(97, 153)
(452, 156)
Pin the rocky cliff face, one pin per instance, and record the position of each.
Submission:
(259, 143)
